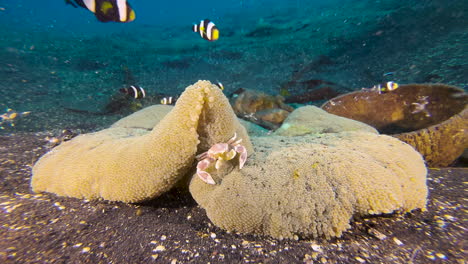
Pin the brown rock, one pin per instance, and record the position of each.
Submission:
(274, 115)
(260, 108)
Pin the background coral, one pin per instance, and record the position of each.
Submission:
(131, 164)
(313, 186)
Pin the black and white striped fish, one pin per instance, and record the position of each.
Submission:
(220, 85)
(107, 10)
(386, 87)
(169, 100)
(207, 30)
(134, 91)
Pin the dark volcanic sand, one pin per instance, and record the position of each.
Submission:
(43, 228)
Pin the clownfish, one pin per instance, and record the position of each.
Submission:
(220, 85)
(386, 87)
(207, 30)
(107, 10)
(169, 100)
(136, 92)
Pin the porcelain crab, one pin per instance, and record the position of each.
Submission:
(217, 155)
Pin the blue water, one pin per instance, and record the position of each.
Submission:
(55, 16)
(54, 56)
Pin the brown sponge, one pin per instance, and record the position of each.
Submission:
(131, 164)
(311, 186)
(431, 117)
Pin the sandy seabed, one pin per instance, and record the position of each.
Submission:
(44, 228)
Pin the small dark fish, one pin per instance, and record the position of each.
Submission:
(124, 100)
(207, 30)
(220, 85)
(65, 135)
(169, 100)
(10, 116)
(134, 91)
(107, 10)
(385, 87)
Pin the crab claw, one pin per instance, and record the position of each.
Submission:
(203, 164)
(242, 155)
(206, 177)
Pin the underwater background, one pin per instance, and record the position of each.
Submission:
(54, 57)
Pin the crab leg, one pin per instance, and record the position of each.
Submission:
(206, 177)
(242, 155)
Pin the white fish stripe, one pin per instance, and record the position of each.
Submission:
(91, 5)
(122, 7)
(166, 100)
(209, 30)
(143, 92)
(202, 24)
(135, 91)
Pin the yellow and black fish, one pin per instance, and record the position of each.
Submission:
(220, 85)
(386, 87)
(107, 10)
(207, 30)
(134, 91)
